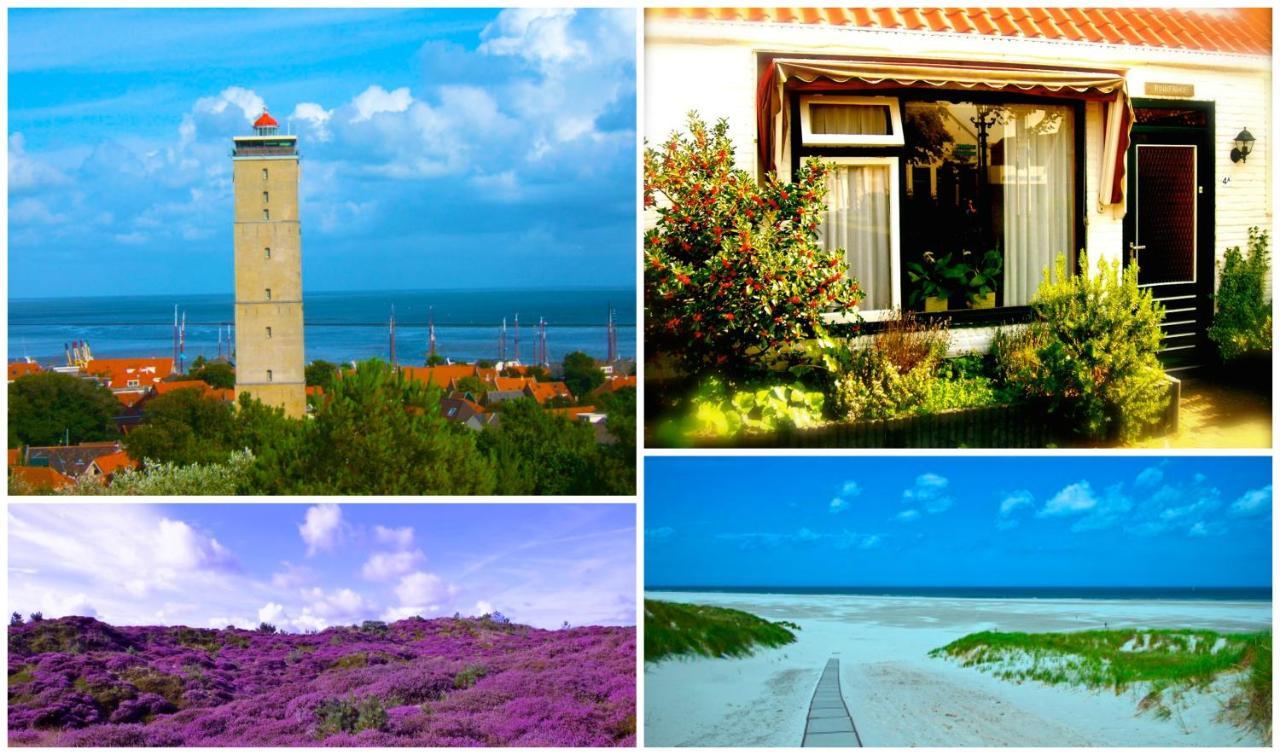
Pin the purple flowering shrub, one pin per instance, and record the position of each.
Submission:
(426, 683)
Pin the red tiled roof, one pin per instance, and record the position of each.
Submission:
(18, 369)
(147, 371)
(1238, 30)
(130, 398)
(544, 392)
(265, 120)
(40, 478)
(501, 383)
(111, 463)
(617, 382)
(180, 385)
(441, 375)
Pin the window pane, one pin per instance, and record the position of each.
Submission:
(849, 120)
(857, 221)
(985, 177)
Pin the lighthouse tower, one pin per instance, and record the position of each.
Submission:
(268, 259)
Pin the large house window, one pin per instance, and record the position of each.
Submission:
(862, 219)
(987, 177)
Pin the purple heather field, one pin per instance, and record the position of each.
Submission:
(442, 682)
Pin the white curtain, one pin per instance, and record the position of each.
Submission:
(857, 220)
(848, 119)
(1038, 181)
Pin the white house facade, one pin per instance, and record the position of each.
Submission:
(1030, 133)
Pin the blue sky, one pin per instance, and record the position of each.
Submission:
(306, 567)
(958, 521)
(441, 148)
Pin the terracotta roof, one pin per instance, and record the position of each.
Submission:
(130, 398)
(18, 369)
(442, 375)
(1238, 30)
(617, 382)
(265, 120)
(112, 463)
(544, 392)
(180, 385)
(70, 460)
(40, 478)
(147, 371)
(510, 383)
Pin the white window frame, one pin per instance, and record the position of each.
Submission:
(895, 241)
(810, 139)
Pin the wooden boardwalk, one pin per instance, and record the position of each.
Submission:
(830, 724)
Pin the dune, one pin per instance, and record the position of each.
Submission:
(899, 696)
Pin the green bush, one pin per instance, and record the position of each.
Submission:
(1090, 355)
(1242, 322)
(733, 271)
(720, 412)
(351, 716)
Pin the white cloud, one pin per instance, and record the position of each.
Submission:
(313, 119)
(1257, 501)
(837, 505)
(292, 576)
(422, 588)
(908, 515)
(181, 547)
(385, 565)
(1073, 499)
(55, 606)
(850, 489)
(929, 493)
(249, 103)
(1016, 500)
(26, 172)
(539, 35)
(271, 613)
(659, 533)
(401, 537)
(375, 100)
(322, 528)
(483, 607)
(1207, 529)
(1150, 477)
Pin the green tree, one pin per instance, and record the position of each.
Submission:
(1243, 321)
(377, 433)
(473, 385)
(321, 373)
(48, 408)
(535, 452)
(581, 374)
(216, 374)
(435, 360)
(617, 469)
(184, 427)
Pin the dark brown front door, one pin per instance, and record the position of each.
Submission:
(1169, 223)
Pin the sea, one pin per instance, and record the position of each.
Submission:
(1005, 593)
(340, 326)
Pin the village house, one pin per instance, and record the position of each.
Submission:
(71, 461)
(1140, 135)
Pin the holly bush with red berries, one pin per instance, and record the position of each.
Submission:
(734, 275)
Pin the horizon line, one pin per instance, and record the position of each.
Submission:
(231, 294)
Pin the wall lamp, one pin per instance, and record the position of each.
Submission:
(1244, 145)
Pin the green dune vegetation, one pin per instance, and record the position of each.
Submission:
(674, 629)
(1169, 662)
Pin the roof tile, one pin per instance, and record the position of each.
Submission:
(1234, 30)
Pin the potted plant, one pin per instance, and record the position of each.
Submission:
(984, 277)
(935, 279)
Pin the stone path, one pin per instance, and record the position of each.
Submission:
(829, 723)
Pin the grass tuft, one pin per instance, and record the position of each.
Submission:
(673, 629)
(1167, 662)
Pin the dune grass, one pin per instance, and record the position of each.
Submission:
(673, 629)
(1166, 661)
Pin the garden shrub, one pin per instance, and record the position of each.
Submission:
(890, 372)
(1090, 355)
(718, 411)
(733, 272)
(1242, 322)
(909, 342)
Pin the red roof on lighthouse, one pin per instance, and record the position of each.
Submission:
(265, 120)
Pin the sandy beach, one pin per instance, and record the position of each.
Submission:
(899, 696)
